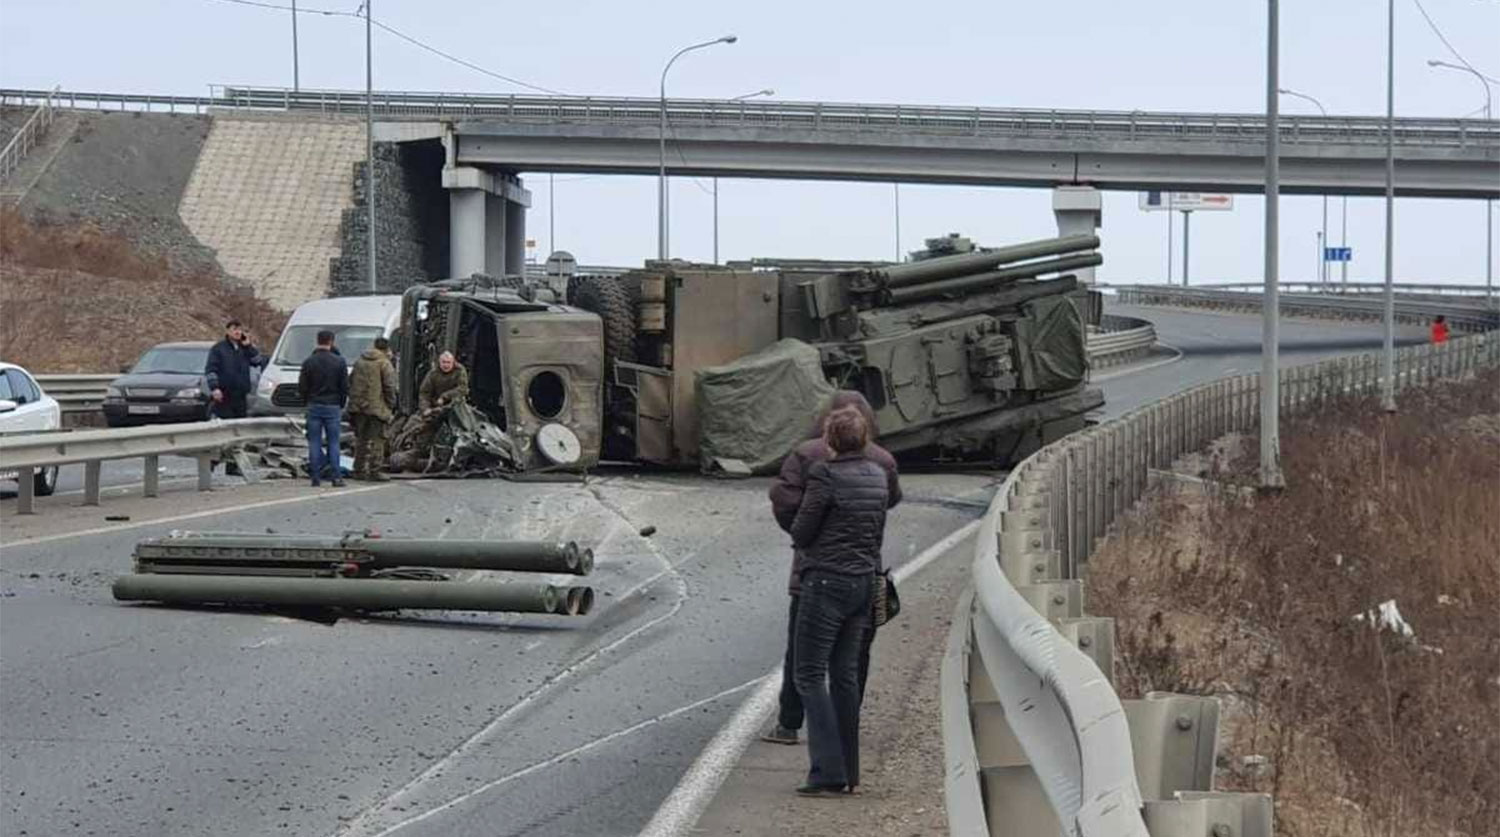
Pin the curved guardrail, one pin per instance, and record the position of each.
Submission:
(1037, 741)
(1460, 316)
(1120, 339)
(774, 114)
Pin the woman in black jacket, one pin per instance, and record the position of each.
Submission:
(840, 527)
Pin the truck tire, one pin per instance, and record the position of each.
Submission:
(613, 299)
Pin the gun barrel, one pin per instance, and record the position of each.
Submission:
(948, 267)
(352, 593)
(982, 281)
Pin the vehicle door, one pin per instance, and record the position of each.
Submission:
(32, 412)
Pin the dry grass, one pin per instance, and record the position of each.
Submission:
(77, 299)
(1367, 732)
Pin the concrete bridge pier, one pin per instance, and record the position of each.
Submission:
(1079, 211)
(487, 222)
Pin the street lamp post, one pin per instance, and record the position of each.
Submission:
(1271, 478)
(661, 180)
(1489, 205)
(1388, 364)
(1323, 236)
(740, 98)
(370, 143)
(296, 75)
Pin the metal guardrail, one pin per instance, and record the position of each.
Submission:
(1460, 316)
(1340, 288)
(817, 116)
(26, 138)
(1120, 339)
(26, 453)
(1037, 741)
(76, 393)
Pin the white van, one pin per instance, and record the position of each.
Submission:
(355, 322)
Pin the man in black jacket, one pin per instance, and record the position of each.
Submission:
(228, 375)
(324, 385)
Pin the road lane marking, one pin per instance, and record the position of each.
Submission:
(437, 768)
(683, 807)
(104, 530)
(562, 757)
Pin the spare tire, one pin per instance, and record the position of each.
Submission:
(614, 300)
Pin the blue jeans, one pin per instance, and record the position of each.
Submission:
(323, 424)
(833, 621)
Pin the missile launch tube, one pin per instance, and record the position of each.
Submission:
(353, 593)
(979, 282)
(520, 556)
(948, 267)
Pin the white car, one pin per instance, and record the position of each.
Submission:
(25, 408)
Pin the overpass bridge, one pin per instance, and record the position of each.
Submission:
(490, 139)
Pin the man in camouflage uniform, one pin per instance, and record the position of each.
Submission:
(443, 384)
(372, 395)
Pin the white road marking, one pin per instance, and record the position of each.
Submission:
(682, 808)
(1131, 370)
(103, 530)
(542, 689)
(562, 757)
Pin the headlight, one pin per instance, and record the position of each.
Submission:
(113, 392)
(188, 392)
(265, 385)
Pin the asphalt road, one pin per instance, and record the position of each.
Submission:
(138, 720)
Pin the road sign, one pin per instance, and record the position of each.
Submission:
(1338, 254)
(1186, 201)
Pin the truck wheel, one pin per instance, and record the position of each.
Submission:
(44, 482)
(613, 299)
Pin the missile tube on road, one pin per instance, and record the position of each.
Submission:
(352, 593)
(230, 549)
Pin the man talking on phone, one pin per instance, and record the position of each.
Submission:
(228, 374)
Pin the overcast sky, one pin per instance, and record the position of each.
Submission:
(1152, 54)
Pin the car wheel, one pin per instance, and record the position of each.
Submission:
(44, 482)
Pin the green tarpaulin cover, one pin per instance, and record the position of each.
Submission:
(756, 409)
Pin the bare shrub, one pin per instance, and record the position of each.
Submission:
(1270, 602)
(78, 299)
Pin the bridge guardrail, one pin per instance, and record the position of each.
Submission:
(1037, 741)
(76, 393)
(1460, 317)
(774, 114)
(25, 453)
(1337, 288)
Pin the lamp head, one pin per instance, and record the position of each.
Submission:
(729, 39)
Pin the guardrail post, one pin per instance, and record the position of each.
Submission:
(151, 477)
(1094, 636)
(25, 491)
(91, 482)
(205, 472)
(1175, 739)
(1211, 814)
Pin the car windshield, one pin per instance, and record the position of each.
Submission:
(175, 359)
(298, 342)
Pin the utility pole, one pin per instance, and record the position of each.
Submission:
(1187, 216)
(897, 188)
(1271, 478)
(370, 142)
(716, 220)
(552, 211)
(1168, 213)
(1388, 364)
(296, 75)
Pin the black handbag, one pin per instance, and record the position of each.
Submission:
(887, 603)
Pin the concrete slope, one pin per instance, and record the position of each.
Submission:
(268, 194)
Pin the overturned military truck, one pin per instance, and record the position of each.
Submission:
(964, 356)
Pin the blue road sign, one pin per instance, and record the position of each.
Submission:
(1338, 254)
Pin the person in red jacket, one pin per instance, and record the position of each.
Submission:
(1440, 329)
(786, 497)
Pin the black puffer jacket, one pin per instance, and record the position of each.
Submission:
(840, 525)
